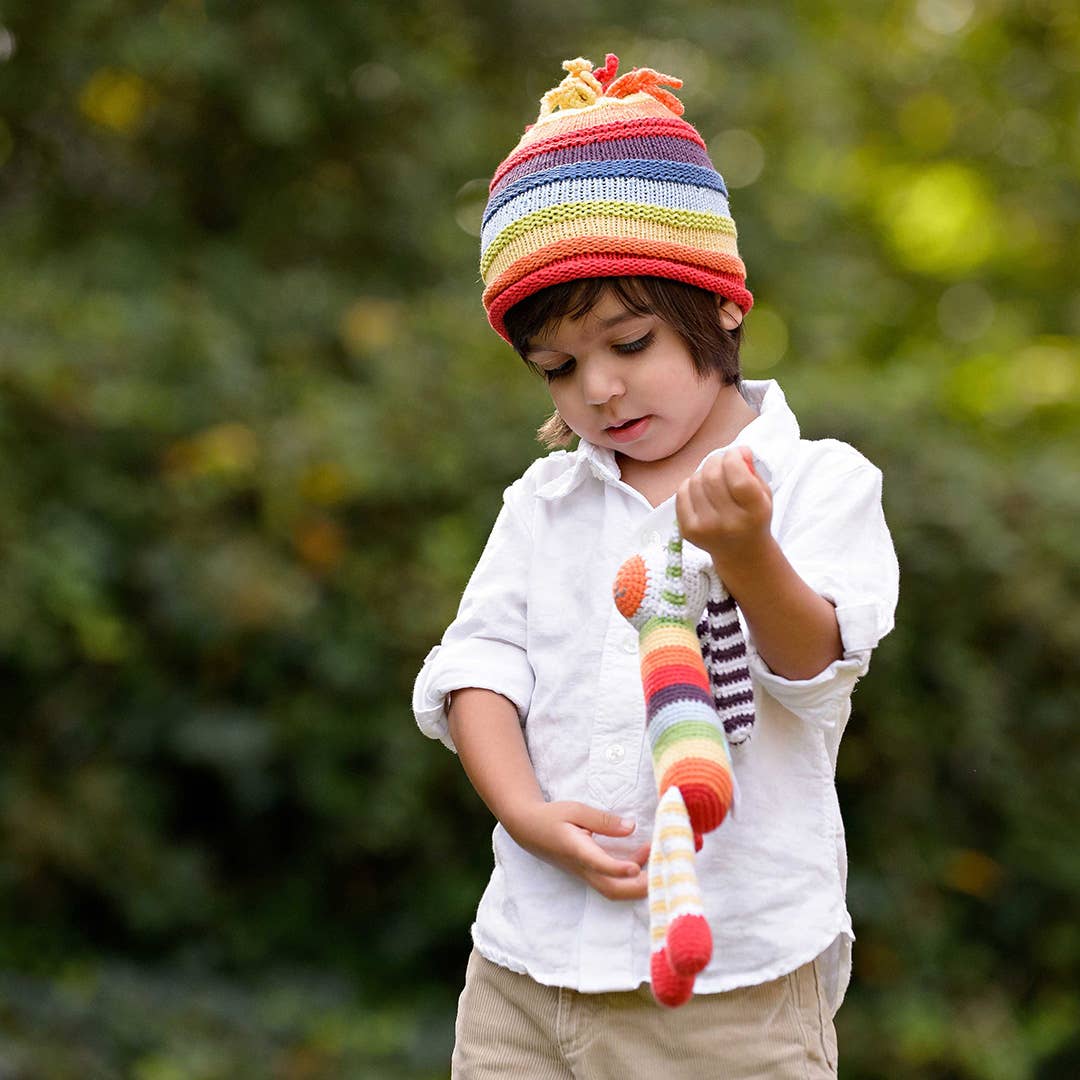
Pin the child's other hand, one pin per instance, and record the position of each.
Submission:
(561, 833)
(725, 508)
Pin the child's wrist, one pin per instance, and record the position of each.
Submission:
(749, 555)
(516, 813)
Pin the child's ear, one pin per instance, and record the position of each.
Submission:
(731, 315)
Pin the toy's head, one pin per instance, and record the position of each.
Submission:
(643, 590)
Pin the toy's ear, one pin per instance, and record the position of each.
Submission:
(696, 585)
(731, 315)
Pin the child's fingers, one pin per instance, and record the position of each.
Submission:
(742, 481)
(598, 821)
(594, 859)
(710, 487)
(692, 502)
(635, 888)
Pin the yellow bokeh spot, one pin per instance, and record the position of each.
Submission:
(370, 322)
(1044, 373)
(225, 450)
(940, 220)
(117, 100)
(1048, 371)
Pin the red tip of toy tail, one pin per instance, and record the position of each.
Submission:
(669, 988)
(689, 944)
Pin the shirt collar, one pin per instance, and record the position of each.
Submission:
(772, 436)
(587, 460)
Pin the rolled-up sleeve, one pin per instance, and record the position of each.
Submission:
(835, 536)
(485, 645)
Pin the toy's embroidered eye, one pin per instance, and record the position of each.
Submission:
(636, 346)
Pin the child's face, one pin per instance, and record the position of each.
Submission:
(627, 382)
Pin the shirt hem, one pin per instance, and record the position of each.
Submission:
(705, 984)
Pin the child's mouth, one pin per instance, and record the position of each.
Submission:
(630, 430)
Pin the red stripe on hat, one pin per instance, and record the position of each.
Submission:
(719, 261)
(729, 286)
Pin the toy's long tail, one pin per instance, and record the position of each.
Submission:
(681, 939)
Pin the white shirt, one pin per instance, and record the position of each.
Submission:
(537, 624)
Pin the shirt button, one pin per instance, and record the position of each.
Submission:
(615, 753)
(651, 538)
(630, 645)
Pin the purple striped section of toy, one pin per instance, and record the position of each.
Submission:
(723, 649)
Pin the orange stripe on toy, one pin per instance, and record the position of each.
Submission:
(668, 654)
(692, 774)
(674, 675)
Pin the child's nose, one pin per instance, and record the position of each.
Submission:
(602, 380)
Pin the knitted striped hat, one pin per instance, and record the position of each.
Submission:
(609, 182)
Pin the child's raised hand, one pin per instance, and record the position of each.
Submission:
(725, 508)
(561, 833)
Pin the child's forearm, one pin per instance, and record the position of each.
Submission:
(794, 629)
(725, 508)
(489, 740)
(490, 743)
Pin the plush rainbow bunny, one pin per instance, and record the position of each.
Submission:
(698, 698)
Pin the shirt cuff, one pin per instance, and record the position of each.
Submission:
(478, 662)
(862, 625)
(815, 700)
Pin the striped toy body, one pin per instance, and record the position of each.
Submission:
(689, 748)
(687, 736)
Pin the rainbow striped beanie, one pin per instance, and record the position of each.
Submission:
(609, 182)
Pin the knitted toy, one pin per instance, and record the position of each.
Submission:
(698, 698)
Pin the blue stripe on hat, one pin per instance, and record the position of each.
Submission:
(642, 168)
(621, 189)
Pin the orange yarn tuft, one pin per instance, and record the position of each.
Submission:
(648, 81)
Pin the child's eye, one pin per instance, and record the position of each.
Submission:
(562, 369)
(635, 346)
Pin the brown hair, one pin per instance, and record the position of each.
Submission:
(691, 312)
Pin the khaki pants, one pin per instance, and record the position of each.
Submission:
(511, 1027)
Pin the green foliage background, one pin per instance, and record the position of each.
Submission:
(254, 430)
